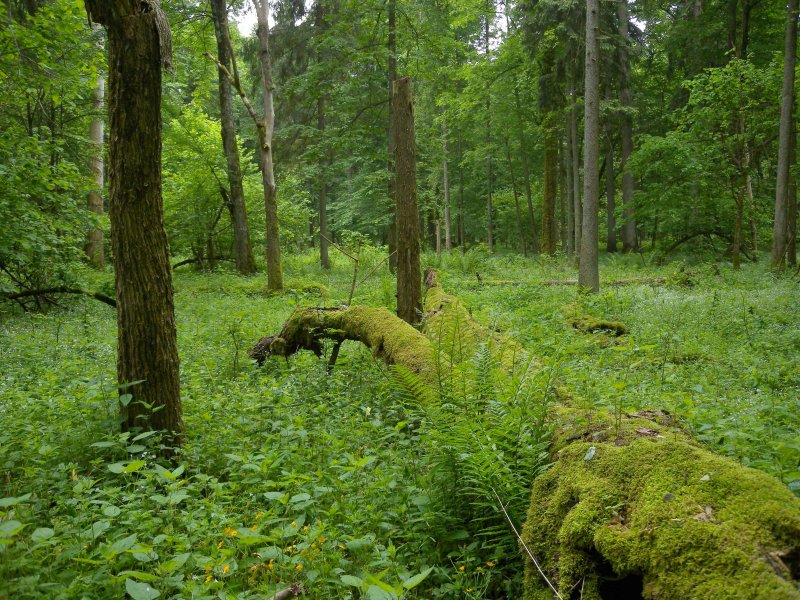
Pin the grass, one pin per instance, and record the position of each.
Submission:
(290, 474)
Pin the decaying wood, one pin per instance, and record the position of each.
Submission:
(294, 590)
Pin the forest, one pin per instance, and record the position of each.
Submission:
(383, 299)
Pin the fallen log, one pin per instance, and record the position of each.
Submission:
(634, 508)
(389, 338)
(61, 290)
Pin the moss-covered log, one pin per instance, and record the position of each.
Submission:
(389, 338)
(633, 508)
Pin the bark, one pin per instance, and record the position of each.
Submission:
(520, 222)
(324, 258)
(550, 190)
(577, 205)
(611, 191)
(462, 237)
(563, 227)
(392, 180)
(147, 351)
(245, 264)
(589, 273)
(409, 292)
(736, 245)
(274, 272)
(448, 242)
(779, 231)
(629, 241)
(489, 162)
(94, 241)
(526, 172)
(791, 209)
(570, 200)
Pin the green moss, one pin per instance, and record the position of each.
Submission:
(637, 497)
(589, 324)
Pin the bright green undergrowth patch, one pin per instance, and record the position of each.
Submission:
(347, 482)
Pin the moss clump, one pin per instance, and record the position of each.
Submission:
(589, 324)
(634, 508)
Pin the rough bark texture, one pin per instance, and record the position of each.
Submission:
(779, 231)
(273, 250)
(94, 239)
(550, 190)
(589, 273)
(245, 264)
(633, 508)
(391, 76)
(409, 277)
(324, 258)
(629, 242)
(147, 352)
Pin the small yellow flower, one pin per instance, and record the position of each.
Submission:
(254, 527)
(461, 568)
(299, 566)
(491, 563)
(220, 545)
(294, 524)
(225, 569)
(469, 589)
(305, 527)
(259, 515)
(208, 579)
(207, 568)
(231, 532)
(322, 539)
(271, 564)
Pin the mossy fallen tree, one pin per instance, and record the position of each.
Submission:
(389, 338)
(631, 508)
(634, 508)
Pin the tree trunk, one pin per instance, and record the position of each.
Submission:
(273, 251)
(568, 166)
(737, 229)
(147, 351)
(517, 210)
(448, 242)
(577, 208)
(245, 264)
(779, 237)
(324, 258)
(409, 278)
(526, 172)
(611, 191)
(550, 189)
(589, 273)
(489, 162)
(629, 241)
(94, 241)
(390, 141)
(563, 228)
(791, 208)
(462, 239)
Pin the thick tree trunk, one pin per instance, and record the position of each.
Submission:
(520, 222)
(629, 241)
(409, 278)
(273, 250)
(611, 191)
(245, 264)
(589, 273)
(390, 141)
(147, 351)
(779, 231)
(94, 239)
(550, 190)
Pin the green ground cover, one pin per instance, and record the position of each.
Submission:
(339, 481)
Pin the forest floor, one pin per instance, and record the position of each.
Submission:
(290, 474)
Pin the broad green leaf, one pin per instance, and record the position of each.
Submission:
(41, 534)
(140, 590)
(414, 581)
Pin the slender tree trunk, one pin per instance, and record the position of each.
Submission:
(409, 276)
(520, 222)
(751, 205)
(550, 189)
(611, 191)
(448, 242)
(274, 271)
(779, 237)
(629, 241)
(489, 162)
(462, 237)
(147, 350)
(94, 241)
(322, 185)
(737, 229)
(563, 228)
(577, 211)
(526, 172)
(243, 251)
(791, 209)
(390, 166)
(589, 273)
(568, 166)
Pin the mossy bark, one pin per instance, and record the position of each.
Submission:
(633, 508)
